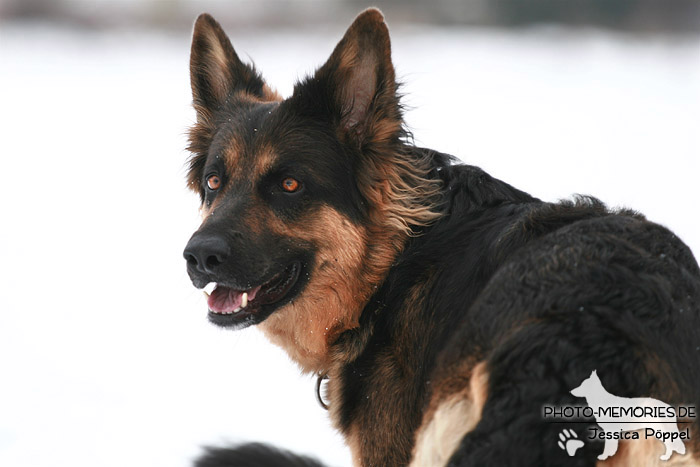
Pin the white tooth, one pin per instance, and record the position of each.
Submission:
(205, 293)
(244, 301)
(209, 288)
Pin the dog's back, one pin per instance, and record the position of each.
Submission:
(541, 294)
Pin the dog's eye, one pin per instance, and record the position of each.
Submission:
(214, 182)
(290, 185)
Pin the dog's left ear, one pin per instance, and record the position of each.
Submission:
(357, 84)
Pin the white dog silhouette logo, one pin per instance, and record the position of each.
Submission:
(608, 408)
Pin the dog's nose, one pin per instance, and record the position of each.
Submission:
(206, 252)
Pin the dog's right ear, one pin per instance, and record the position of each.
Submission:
(216, 72)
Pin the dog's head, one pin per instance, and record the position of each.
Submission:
(589, 387)
(306, 201)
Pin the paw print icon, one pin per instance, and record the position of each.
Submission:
(569, 442)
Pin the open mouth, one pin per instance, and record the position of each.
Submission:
(229, 306)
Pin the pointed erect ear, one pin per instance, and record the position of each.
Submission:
(215, 69)
(358, 82)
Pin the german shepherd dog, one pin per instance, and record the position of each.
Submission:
(445, 307)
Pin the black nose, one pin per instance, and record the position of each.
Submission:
(206, 252)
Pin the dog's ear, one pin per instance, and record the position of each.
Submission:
(216, 72)
(357, 84)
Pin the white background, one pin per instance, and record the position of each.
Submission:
(106, 357)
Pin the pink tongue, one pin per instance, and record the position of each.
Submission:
(226, 300)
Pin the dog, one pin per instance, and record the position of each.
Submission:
(598, 398)
(444, 306)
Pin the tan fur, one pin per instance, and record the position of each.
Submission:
(449, 419)
(348, 58)
(438, 440)
(217, 65)
(250, 169)
(334, 298)
(646, 453)
(353, 439)
(232, 155)
(404, 196)
(270, 95)
(264, 160)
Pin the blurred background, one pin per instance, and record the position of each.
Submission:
(631, 15)
(106, 358)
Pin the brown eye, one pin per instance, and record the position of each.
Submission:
(290, 185)
(214, 182)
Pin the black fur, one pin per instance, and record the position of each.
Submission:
(253, 455)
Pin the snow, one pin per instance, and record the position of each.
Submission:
(106, 357)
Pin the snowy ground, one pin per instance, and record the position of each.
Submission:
(106, 358)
